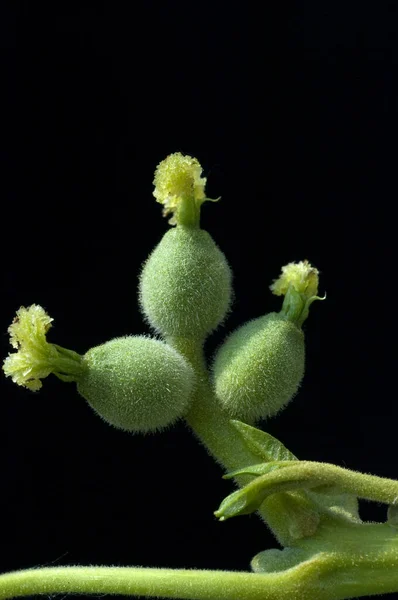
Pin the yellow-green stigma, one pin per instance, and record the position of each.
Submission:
(35, 358)
(302, 276)
(180, 187)
(298, 282)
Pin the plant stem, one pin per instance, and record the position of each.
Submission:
(164, 583)
(213, 427)
(362, 485)
(326, 576)
(206, 418)
(365, 557)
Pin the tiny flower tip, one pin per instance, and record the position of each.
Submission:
(302, 276)
(20, 367)
(28, 336)
(177, 179)
(29, 326)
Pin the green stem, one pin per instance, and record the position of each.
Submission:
(164, 583)
(206, 418)
(188, 213)
(325, 576)
(213, 427)
(363, 485)
(365, 557)
(68, 362)
(353, 538)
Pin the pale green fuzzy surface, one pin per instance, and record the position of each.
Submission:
(137, 383)
(185, 285)
(259, 367)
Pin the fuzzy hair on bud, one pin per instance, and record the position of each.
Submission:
(185, 285)
(259, 367)
(137, 383)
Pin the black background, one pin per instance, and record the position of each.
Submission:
(292, 112)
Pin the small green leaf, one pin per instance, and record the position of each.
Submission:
(273, 561)
(256, 470)
(392, 514)
(270, 449)
(249, 498)
(233, 505)
(325, 497)
(262, 444)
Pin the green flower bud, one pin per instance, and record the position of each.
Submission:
(185, 285)
(258, 369)
(137, 383)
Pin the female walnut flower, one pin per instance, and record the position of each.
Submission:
(185, 286)
(298, 282)
(180, 188)
(134, 383)
(35, 358)
(259, 368)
